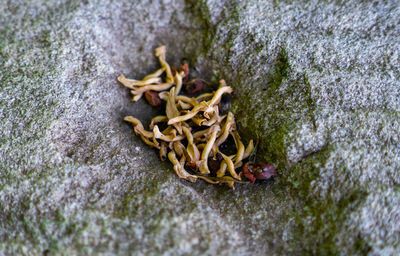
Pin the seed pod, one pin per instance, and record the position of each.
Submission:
(265, 171)
(185, 68)
(152, 98)
(193, 86)
(247, 172)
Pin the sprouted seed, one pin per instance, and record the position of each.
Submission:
(195, 128)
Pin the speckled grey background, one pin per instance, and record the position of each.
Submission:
(318, 82)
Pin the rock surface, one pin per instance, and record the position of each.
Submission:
(318, 82)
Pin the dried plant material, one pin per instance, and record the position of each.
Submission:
(152, 87)
(195, 130)
(239, 146)
(138, 127)
(194, 86)
(206, 151)
(209, 180)
(171, 109)
(178, 82)
(152, 98)
(198, 119)
(222, 169)
(205, 96)
(192, 151)
(131, 83)
(185, 69)
(160, 53)
(157, 119)
(178, 168)
(249, 149)
(150, 143)
(163, 151)
(178, 147)
(202, 106)
(191, 101)
(265, 171)
(174, 70)
(261, 171)
(155, 74)
(231, 166)
(213, 119)
(169, 138)
(184, 106)
(218, 94)
(229, 181)
(226, 129)
(214, 163)
(201, 133)
(163, 95)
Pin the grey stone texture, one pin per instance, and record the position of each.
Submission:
(318, 82)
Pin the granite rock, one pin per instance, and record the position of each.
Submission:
(317, 82)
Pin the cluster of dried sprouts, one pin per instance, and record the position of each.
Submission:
(192, 129)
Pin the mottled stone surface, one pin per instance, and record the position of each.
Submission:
(318, 82)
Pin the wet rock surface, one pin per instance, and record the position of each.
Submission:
(317, 82)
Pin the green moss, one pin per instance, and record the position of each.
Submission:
(287, 103)
(201, 12)
(321, 220)
(328, 217)
(301, 174)
(277, 73)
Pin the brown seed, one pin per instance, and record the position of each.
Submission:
(153, 98)
(193, 86)
(185, 68)
(173, 70)
(247, 172)
(214, 164)
(265, 171)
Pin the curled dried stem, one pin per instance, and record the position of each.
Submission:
(158, 119)
(157, 73)
(192, 151)
(201, 106)
(239, 147)
(160, 53)
(169, 138)
(206, 151)
(163, 151)
(179, 148)
(178, 82)
(226, 129)
(195, 128)
(178, 168)
(249, 149)
(231, 166)
(133, 84)
(218, 94)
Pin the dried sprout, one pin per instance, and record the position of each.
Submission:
(195, 130)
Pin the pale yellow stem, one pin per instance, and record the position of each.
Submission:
(231, 166)
(226, 129)
(157, 119)
(178, 168)
(206, 152)
(155, 74)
